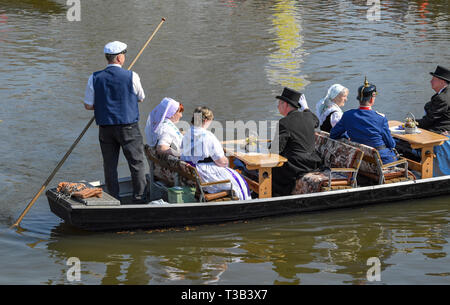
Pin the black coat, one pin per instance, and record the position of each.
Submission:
(437, 113)
(295, 141)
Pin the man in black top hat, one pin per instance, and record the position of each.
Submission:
(437, 111)
(295, 141)
(436, 119)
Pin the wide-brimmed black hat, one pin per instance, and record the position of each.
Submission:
(442, 73)
(290, 96)
(366, 91)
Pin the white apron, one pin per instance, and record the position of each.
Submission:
(199, 144)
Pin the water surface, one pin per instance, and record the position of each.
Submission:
(234, 56)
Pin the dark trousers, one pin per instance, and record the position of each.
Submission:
(129, 137)
(404, 149)
(283, 179)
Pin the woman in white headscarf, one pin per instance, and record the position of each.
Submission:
(328, 109)
(160, 129)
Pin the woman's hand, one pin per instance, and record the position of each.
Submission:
(165, 149)
(222, 162)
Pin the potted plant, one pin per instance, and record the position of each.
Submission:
(410, 124)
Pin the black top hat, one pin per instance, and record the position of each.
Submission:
(290, 96)
(442, 73)
(366, 91)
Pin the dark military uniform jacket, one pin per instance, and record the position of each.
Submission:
(437, 113)
(295, 140)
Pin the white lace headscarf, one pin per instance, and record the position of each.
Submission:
(165, 110)
(326, 105)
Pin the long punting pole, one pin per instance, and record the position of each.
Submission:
(17, 223)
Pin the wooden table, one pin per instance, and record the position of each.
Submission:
(261, 162)
(425, 140)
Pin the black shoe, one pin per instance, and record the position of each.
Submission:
(139, 200)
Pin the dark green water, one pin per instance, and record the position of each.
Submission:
(234, 56)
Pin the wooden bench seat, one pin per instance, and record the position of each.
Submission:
(373, 168)
(341, 165)
(173, 172)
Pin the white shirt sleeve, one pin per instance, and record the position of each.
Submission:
(165, 136)
(335, 117)
(215, 148)
(137, 87)
(89, 93)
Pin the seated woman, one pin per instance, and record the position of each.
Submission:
(160, 129)
(203, 150)
(329, 109)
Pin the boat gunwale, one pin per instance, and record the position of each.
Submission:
(82, 206)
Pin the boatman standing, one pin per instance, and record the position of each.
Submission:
(366, 126)
(113, 94)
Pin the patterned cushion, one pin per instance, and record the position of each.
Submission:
(172, 171)
(372, 153)
(183, 180)
(168, 173)
(371, 165)
(335, 154)
(315, 181)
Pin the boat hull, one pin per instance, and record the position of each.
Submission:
(129, 217)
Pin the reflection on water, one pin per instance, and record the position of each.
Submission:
(142, 257)
(37, 7)
(285, 60)
(316, 248)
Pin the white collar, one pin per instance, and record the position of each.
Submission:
(442, 89)
(114, 65)
(333, 107)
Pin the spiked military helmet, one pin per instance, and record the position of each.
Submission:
(366, 91)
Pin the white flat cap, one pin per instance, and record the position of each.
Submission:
(114, 47)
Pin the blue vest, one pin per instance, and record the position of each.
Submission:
(115, 102)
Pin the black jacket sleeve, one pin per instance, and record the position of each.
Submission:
(434, 112)
(281, 139)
